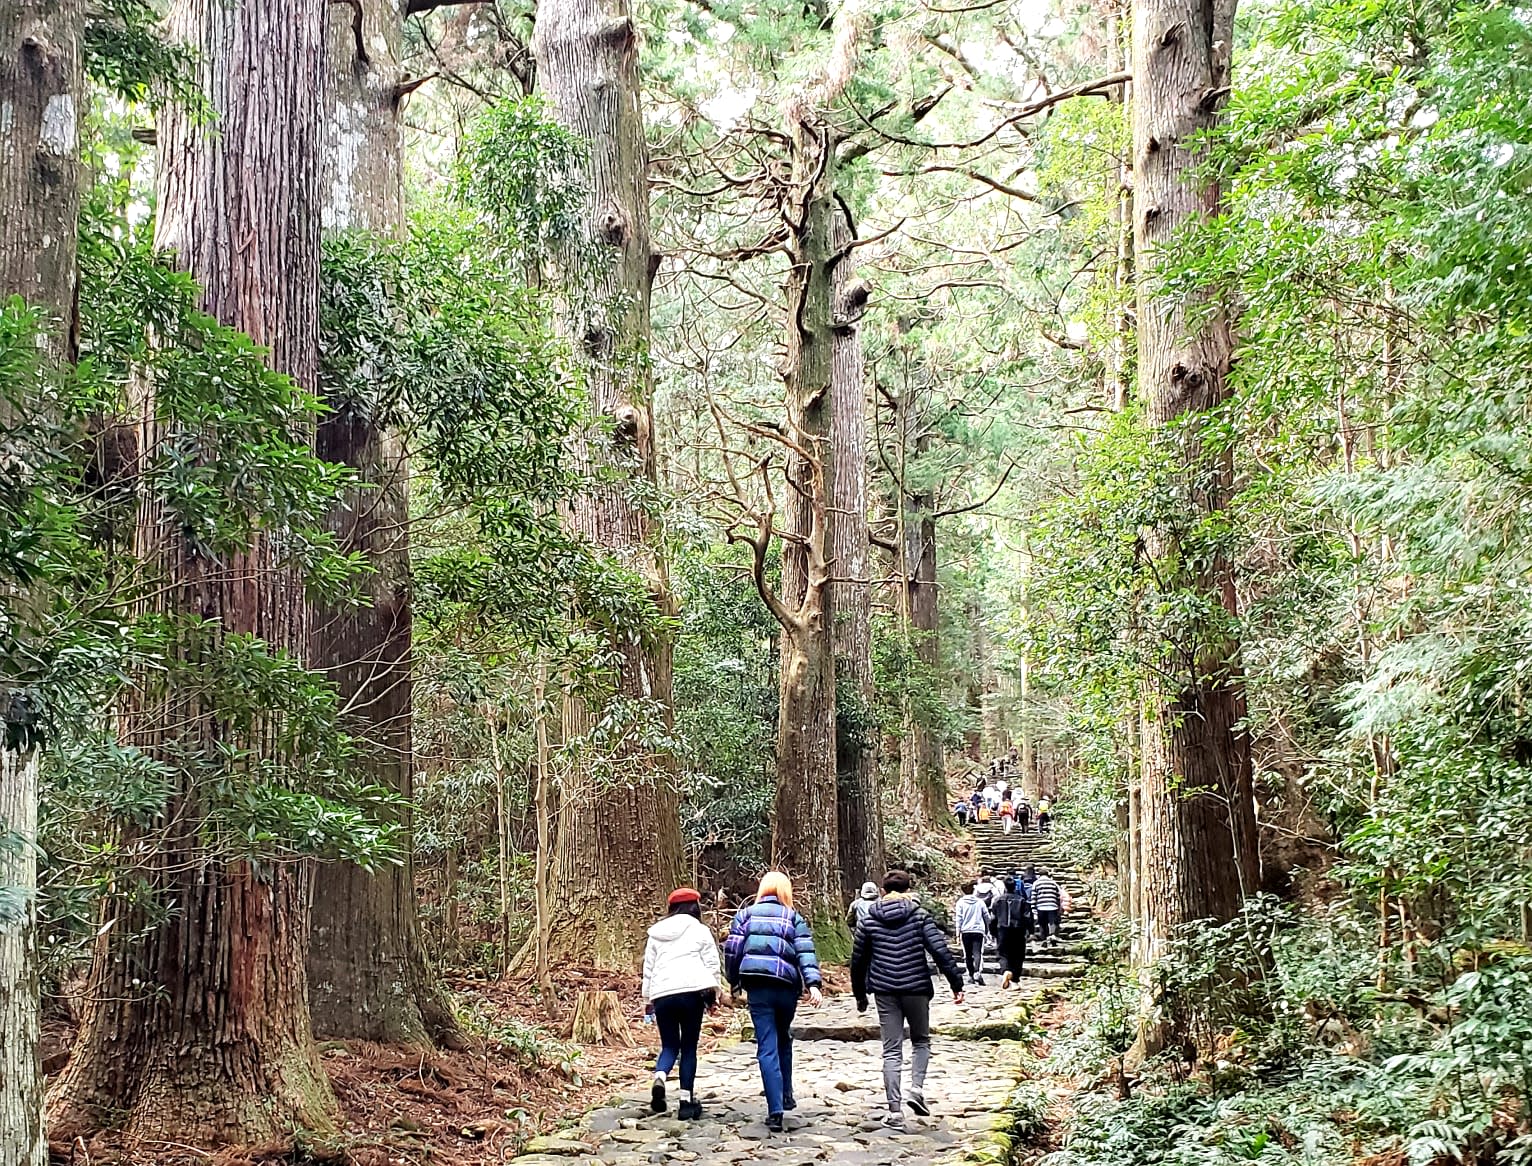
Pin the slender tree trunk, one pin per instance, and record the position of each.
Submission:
(41, 92)
(195, 1028)
(619, 849)
(859, 814)
(1197, 816)
(541, 798)
(368, 977)
(922, 764)
(1120, 194)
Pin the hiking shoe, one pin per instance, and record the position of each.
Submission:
(894, 1121)
(774, 1122)
(789, 1102)
(689, 1110)
(979, 980)
(917, 1102)
(657, 1098)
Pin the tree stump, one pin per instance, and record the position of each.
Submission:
(598, 1020)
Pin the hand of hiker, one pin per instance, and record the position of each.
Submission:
(816, 998)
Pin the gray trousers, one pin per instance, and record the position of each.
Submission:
(893, 1012)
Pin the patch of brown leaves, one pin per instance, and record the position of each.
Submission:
(473, 1107)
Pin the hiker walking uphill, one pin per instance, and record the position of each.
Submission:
(972, 919)
(680, 984)
(1048, 903)
(1013, 923)
(888, 960)
(861, 905)
(770, 955)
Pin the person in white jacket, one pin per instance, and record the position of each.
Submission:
(680, 983)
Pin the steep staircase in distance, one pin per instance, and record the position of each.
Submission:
(1008, 854)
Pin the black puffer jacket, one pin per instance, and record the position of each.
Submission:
(889, 955)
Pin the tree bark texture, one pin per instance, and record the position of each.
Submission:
(805, 834)
(618, 849)
(368, 977)
(1197, 816)
(859, 815)
(195, 1027)
(41, 92)
(21, 1066)
(922, 772)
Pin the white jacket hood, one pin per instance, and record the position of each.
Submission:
(681, 956)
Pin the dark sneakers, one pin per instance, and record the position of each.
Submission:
(657, 1098)
(689, 1110)
(774, 1122)
(789, 1102)
(917, 1103)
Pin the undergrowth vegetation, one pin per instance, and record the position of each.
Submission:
(1319, 1060)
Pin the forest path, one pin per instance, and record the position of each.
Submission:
(977, 1063)
(837, 1075)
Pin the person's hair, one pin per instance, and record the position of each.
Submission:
(774, 882)
(896, 882)
(690, 907)
(985, 873)
(968, 888)
(1010, 886)
(1032, 870)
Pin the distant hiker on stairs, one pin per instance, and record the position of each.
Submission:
(888, 960)
(680, 983)
(972, 919)
(860, 905)
(1048, 903)
(1013, 923)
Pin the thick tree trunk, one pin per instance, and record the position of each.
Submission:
(859, 813)
(195, 1027)
(41, 92)
(805, 833)
(1197, 816)
(618, 849)
(368, 977)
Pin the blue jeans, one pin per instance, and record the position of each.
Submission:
(771, 1013)
(679, 1019)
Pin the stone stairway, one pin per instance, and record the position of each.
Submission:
(1008, 854)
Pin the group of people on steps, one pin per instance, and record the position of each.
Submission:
(1008, 911)
(769, 956)
(1007, 803)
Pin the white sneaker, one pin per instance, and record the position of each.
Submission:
(894, 1121)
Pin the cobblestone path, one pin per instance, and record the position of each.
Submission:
(839, 1086)
(976, 1065)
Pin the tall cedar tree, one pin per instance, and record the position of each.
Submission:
(41, 92)
(618, 850)
(368, 978)
(195, 1027)
(1199, 853)
(804, 836)
(859, 817)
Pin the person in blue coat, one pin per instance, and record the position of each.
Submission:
(770, 955)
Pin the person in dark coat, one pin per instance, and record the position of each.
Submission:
(1013, 923)
(888, 960)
